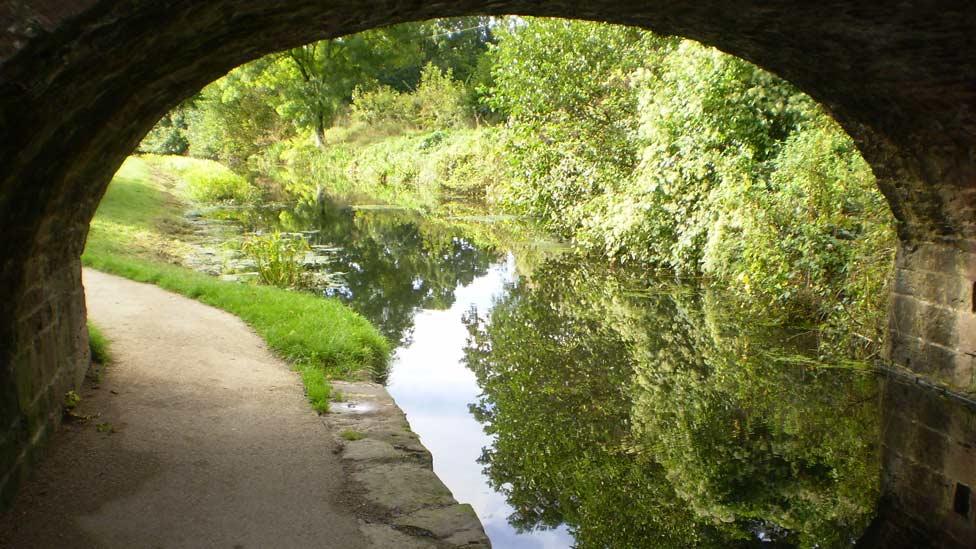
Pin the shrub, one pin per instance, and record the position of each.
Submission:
(381, 104)
(439, 102)
(206, 181)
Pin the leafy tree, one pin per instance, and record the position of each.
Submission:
(565, 88)
(234, 117)
(168, 136)
(313, 82)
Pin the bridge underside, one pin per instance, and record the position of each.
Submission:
(82, 81)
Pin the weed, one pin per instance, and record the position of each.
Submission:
(351, 435)
(71, 400)
(317, 387)
(279, 258)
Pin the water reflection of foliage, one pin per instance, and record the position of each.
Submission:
(654, 420)
(394, 261)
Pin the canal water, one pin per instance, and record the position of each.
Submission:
(572, 404)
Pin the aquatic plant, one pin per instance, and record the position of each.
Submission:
(279, 258)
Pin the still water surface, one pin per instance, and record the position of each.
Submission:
(572, 405)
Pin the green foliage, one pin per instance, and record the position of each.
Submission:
(646, 415)
(708, 122)
(235, 116)
(381, 104)
(565, 87)
(304, 90)
(98, 345)
(414, 169)
(309, 331)
(206, 181)
(168, 136)
(675, 156)
(71, 400)
(641, 149)
(816, 237)
(437, 103)
(439, 99)
(279, 258)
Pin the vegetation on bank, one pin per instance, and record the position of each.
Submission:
(98, 345)
(136, 234)
(643, 150)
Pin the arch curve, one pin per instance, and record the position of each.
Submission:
(82, 81)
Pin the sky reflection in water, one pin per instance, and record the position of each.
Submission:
(431, 384)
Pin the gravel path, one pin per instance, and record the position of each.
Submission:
(201, 439)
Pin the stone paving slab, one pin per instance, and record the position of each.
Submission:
(408, 505)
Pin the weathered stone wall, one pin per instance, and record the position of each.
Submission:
(52, 355)
(929, 479)
(81, 81)
(932, 328)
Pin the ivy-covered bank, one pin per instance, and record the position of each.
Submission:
(640, 149)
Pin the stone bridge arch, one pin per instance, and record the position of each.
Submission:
(81, 81)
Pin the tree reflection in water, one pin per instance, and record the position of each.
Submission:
(394, 262)
(648, 415)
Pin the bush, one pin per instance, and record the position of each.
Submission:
(439, 102)
(168, 136)
(206, 181)
(676, 156)
(380, 105)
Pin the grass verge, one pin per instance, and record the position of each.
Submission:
(131, 236)
(98, 344)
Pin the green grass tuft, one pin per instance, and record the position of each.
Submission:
(351, 435)
(317, 388)
(98, 344)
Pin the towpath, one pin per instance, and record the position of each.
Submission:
(202, 439)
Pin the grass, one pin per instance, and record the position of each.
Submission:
(98, 344)
(351, 435)
(204, 180)
(132, 237)
(138, 217)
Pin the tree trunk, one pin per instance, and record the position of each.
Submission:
(319, 133)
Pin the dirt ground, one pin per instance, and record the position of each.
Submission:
(196, 437)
